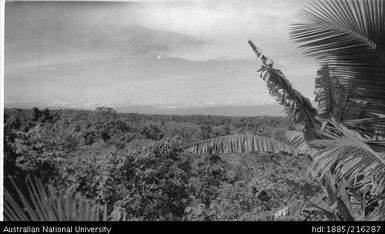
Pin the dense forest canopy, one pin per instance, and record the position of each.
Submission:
(136, 163)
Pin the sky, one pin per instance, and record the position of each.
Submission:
(161, 53)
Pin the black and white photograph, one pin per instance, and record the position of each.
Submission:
(193, 110)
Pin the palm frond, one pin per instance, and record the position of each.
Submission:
(346, 156)
(298, 107)
(329, 94)
(372, 127)
(349, 36)
(240, 144)
(299, 141)
(379, 213)
(323, 93)
(37, 205)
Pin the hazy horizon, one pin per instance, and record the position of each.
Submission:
(219, 110)
(174, 53)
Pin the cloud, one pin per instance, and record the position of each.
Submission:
(225, 25)
(65, 52)
(182, 53)
(63, 34)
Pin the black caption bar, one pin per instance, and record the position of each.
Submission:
(178, 227)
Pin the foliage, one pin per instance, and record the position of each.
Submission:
(350, 45)
(142, 178)
(148, 182)
(349, 158)
(240, 144)
(347, 38)
(298, 107)
(249, 187)
(338, 154)
(158, 184)
(37, 205)
(350, 94)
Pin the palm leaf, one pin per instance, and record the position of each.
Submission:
(346, 156)
(297, 106)
(240, 144)
(348, 36)
(299, 141)
(330, 95)
(37, 205)
(379, 213)
(373, 126)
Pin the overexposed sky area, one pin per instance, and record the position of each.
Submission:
(176, 53)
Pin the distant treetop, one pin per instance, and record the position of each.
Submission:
(103, 109)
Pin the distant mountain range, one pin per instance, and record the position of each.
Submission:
(257, 110)
(249, 110)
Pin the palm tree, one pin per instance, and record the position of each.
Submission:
(344, 136)
(38, 205)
